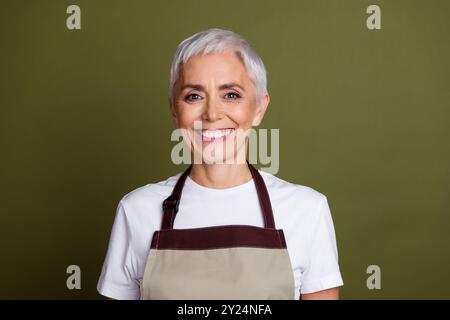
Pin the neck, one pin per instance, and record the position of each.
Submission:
(220, 176)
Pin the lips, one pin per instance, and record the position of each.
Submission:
(210, 135)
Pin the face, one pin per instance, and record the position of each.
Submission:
(215, 103)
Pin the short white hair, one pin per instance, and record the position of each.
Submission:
(217, 40)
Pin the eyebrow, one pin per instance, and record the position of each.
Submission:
(199, 87)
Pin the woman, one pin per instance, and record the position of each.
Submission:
(221, 229)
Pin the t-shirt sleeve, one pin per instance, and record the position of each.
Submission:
(322, 271)
(118, 276)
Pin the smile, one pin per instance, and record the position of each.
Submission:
(214, 134)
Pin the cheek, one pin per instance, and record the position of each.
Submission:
(184, 120)
(186, 116)
(242, 116)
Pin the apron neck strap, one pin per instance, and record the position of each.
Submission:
(171, 203)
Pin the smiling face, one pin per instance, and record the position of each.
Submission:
(215, 92)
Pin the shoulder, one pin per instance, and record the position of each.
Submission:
(139, 212)
(150, 191)
(144, 204)
(296, 207)
(280, 189)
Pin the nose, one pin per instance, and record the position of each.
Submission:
(212, 111)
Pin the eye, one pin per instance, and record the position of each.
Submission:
(192, 97)
(232, 95)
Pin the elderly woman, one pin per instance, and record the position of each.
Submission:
(221, 229)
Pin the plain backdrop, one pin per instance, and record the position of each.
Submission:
(363, 118)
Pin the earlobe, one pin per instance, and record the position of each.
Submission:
(261, 110)
(174, 116)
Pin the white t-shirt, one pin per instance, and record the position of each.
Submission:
(302, 212)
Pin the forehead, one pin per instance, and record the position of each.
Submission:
(221, 67)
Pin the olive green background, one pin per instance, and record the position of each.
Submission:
(363, 118)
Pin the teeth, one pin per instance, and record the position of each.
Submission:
(216, 133)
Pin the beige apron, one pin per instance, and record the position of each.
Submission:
(218, 262)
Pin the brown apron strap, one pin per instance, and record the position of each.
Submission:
(264, 199)
(170, 205)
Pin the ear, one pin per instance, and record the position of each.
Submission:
(174, 114)
(261, 110)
